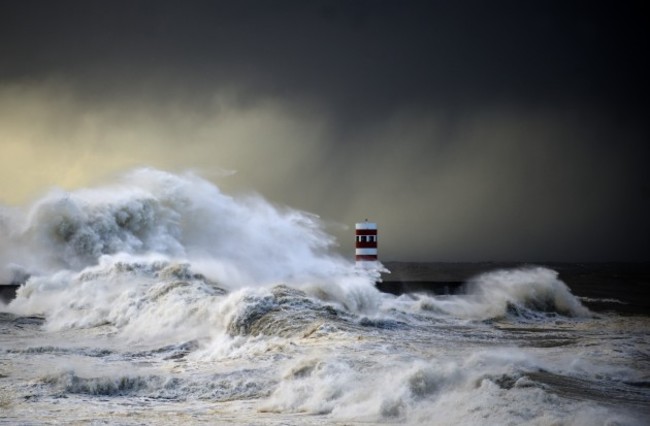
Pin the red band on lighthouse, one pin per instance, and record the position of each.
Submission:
(366, 241)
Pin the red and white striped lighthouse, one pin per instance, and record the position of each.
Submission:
(366, 241)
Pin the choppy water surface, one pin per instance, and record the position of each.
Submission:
(141, 310)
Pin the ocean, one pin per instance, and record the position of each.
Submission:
(158, 299)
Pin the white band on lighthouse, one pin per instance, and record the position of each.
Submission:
(366, 251)
(366, 225)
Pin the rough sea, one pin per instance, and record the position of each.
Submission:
(158, 299)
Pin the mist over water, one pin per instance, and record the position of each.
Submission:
(160, 299)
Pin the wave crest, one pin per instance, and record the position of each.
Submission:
(524, 293)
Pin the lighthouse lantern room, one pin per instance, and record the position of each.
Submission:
(366, 242)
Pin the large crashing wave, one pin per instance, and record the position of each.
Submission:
(150, 211)
(161, 246)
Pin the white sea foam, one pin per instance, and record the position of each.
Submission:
(155, 299)
(488, 387)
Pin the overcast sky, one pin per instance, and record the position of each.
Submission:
(468, 130)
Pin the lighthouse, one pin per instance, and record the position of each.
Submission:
(366, 242)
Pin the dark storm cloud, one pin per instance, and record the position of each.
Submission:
(469, 130)
(363, 55)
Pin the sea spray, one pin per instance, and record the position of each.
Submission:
(245, 240)
(155, 254)
(535, 288)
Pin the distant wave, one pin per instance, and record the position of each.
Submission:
(532, 293)
(602, 300)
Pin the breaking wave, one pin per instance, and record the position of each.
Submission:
(163, 300)
(525, 293)
(242, 240)
(220, 387)
(158, 255)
